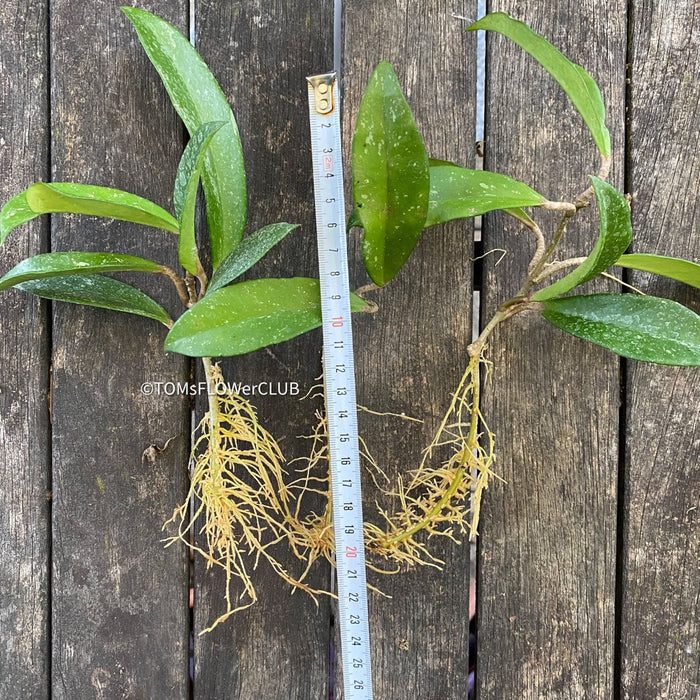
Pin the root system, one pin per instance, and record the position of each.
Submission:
(244, 506)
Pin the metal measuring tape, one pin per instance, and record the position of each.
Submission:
(339, 382)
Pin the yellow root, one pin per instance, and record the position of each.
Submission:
(438, 499)
(244, 504)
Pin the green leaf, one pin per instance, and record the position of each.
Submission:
(95, 290)
(17, 211)
(576, 83)
(674, 268)
(434, 162)
(75, 198)
(391, 182)
(249, 315)
(56, 264)
(520, 215)
(185, 193)
(457, 193)
(639, 327)
(198, 99)
(615, 236)
(247, 253)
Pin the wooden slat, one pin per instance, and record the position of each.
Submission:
(261, 53)
(24, 344)
(120, 619)
(411, 353)
(660, 630)
(547, 547)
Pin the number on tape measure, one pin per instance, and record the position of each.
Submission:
(339, 381)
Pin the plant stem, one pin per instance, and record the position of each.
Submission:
(525, 220)
(558, 206)
(203, 280)
(371, 287)
(179, 284)
(580, 202)
(551, 268)
(191, 290)
(475, 350)
(214, 416)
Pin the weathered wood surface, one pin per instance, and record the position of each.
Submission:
(660, 564)
(411, 354)
(261, 53)
(546, 586)
(119, 599)
(587, 589)
(24, 349)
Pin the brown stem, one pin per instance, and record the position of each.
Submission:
(179, 284)
(558, 206)
(580, 202)
(551, 268)
(191, 289)
(539, 237)
(371, 287)
(203, 280)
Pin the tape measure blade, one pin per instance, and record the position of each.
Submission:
(339, 384)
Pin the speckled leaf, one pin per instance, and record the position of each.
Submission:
(75, 198)
(56, 264)
(185, 193)
(674, 268)
(457, 193)
(639, 327)
(198, 99)
(391, 182)
(615, 236)
(251, 249)
(16, 212)
(95, 290)
(249, 315)
(575, 81)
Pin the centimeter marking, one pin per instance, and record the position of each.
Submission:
(339, 382)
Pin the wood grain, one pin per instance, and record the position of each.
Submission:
(94, 606)
(660, 652)
(411, 353)
(119, 598)
(546, 585)
(25, 442)
(261, 53)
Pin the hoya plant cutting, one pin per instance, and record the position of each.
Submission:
(245, 500)
(399, 192)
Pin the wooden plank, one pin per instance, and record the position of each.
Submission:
(546, 584)
(411, 353)
(261, 53)
(660, 629)
(24, 344)
(120, 620)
